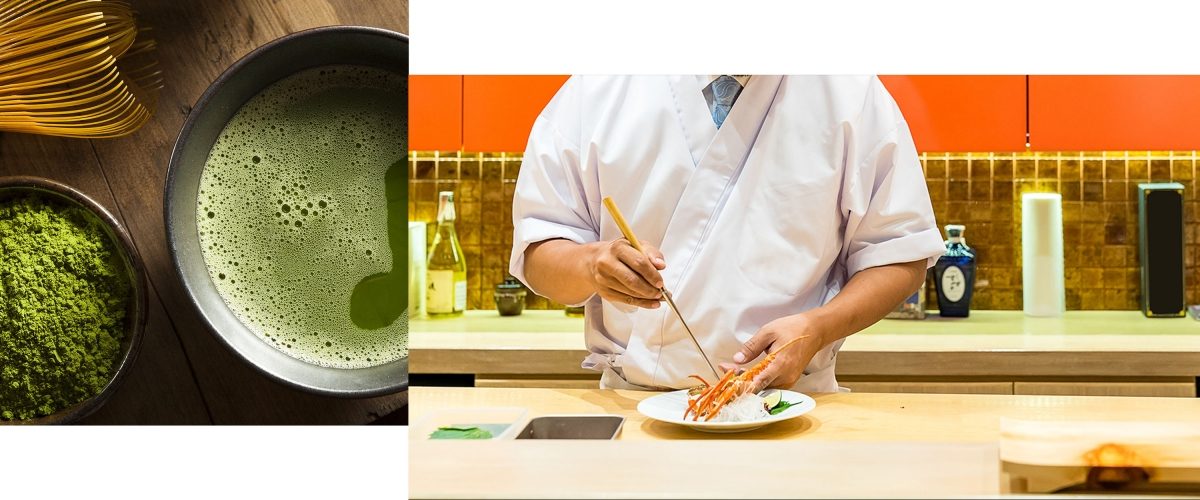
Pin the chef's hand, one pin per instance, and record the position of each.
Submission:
(622, 274)
(789, 365)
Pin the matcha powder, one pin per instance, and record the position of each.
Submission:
(63, 297)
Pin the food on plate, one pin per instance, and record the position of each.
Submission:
(780, 407)
(730, 399)
(772, 397)
(746, 408)
(750, 407)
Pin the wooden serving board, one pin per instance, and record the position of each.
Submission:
(1046, 456)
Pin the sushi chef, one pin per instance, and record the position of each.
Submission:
(771, 207)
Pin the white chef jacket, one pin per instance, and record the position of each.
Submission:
(810, 180)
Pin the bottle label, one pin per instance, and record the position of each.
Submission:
(460, 296)
(954, 284)
(440, 294)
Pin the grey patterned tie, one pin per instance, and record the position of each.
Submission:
(725, 90)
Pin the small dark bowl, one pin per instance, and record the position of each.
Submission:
(135, 316)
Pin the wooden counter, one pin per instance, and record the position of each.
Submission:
(1085, 352)
(850, 444)
(973, 418)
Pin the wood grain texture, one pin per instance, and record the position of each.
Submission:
(1020, 363)
(531, 360)
(184, 375)
(1138, 444)
(545, 383)
(931, 387)
(984, 330)
(1140, 389)
(515, 360)
(1173, 389)
(1041, 456)
(159, 387)
(947, 418)
(605, 469)
(988, 344)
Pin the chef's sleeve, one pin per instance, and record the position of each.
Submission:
(885, 201)
(551, 200)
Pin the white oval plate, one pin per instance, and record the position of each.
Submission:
(669, 407)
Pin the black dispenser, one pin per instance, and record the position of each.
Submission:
(1160, 249)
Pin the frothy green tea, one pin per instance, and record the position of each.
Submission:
(294, 210)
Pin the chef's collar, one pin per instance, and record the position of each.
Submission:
(741, 79)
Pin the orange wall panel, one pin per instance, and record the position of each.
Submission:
(962, 113)
(435, 108)
(945, 113)
(499, 111)
(1105, 113)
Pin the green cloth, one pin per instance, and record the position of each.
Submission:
(64, 291)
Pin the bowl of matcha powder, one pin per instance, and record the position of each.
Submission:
(72, 303)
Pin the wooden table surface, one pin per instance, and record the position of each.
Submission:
(701, 469)
(858, 445)
(988, 344)
(946, 418)
(184, 375)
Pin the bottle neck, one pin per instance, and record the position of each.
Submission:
(446, 212)
(957, 239)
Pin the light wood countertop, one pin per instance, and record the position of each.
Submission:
(701, 469)
(988, 344)
(850, 444)
(842, 416)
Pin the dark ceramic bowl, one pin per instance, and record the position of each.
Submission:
(256, 71)
(135, 316)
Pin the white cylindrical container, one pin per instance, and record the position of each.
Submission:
(416, 269)
(1042, 254)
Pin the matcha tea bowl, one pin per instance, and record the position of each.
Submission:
(286, 210)
(73, 298)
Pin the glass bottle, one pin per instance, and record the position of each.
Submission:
(446, 275)
(954, 275)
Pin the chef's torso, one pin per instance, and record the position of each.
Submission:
(751, 217)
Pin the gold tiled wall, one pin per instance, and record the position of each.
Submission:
(983, 191)
(980, 190)
(483, 191)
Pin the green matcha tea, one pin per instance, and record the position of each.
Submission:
(64, 292)
(301, 213)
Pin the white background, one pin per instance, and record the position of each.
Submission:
(209, 463)
(796, 36)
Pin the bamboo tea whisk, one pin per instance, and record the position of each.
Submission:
(74, 68)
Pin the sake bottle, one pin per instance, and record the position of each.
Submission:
(954, 275)
(446, 274)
